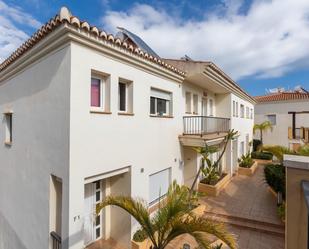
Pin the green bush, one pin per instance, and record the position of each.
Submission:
(256, 144)
(140, 235)
(262, 155)
(245, 161)
(275, 177)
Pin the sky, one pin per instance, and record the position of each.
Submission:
(261, 44)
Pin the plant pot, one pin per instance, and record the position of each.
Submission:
(146, 244)
(263, 161)
(248, 171)
(214, 190)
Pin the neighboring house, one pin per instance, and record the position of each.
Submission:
(86, 115)
(288, 111)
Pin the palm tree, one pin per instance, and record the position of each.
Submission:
(206, 151)
(173, 219)
(262, 127)
(278, 151)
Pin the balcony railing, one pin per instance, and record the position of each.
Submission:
(201, 125)
(56, 240)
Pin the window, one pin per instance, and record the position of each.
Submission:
(195, 103)
(188, 102)
(160, 103)
(158, 185)
(242, 148)
(247, 143)
(125, 96)
(247, 112)
(99, 91)
(272, 119)
(96, 92)
(251, 113)
(8, 128)
(237, 109)
(234, 109)
(242, 111)
(211, 108)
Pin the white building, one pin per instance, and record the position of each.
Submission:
(289, 114)
(86, 115)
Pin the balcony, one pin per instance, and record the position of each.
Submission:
(199, 129)
(299, 133)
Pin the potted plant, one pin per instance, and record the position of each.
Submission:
(247, 166)
(213, 178)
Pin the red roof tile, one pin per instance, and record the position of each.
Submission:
(282, 96)
(65, 16)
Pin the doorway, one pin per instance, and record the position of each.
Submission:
(93, 224)
(204, 106)
(235, 154)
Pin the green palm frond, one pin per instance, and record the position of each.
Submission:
(278, 151)
(200, 228)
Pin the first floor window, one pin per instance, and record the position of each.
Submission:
(234, 109)
(242, 111)
(188, 102)
(96, 92)
(195, 103)
(160, 102)
(8, 127)
(122, 97)
(158, 185)
(272, 119)
(211, 107)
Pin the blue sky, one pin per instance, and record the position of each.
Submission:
(249, 40)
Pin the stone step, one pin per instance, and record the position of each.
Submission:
(255, 225)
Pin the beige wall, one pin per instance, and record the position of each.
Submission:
(296, 215)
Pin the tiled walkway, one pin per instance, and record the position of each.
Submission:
(246, 197)
(246, 200)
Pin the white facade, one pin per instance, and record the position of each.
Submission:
(65, 155)
(283, 120)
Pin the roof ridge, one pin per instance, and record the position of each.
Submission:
(65, 16)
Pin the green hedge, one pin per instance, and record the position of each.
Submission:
(140, 235)
(256, 143)
(275, 177)
(261, 155)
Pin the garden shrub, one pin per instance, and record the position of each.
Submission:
(256, 144)
(275, 177)
(140, 235)
(245, 161)
(261, 155)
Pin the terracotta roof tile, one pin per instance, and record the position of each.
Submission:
(65, 16)
(282, 96)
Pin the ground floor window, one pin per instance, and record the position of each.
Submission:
(158, 185)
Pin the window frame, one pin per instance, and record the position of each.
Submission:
(102, 92)
(195, 100)
(242, 110)
(8, 116)
(126, 97)
(188, 98)
(168, 104)
(272, 123)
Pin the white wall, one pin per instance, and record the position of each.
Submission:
(244, 125)
(104, 142)
(39, 98)
(279, 134)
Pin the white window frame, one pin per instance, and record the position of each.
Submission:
(188, 102)
(237, 110)
(195, 103)
(168, 111)
(153, 201)
(247, 112)
(271, 121)
(211, 107)
(242, 110)
(8, 128)
(102, 92)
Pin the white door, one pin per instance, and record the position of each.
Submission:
(92, 223)
(204, 107)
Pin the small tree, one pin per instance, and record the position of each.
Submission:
(261, 128)
(173, 219)
(213, 168)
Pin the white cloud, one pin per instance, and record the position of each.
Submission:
(10, 35)
(269, 40)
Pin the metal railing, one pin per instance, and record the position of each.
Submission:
(201, 125)
(56, 240)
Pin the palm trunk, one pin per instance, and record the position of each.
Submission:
(197, 175)
(261, 136)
